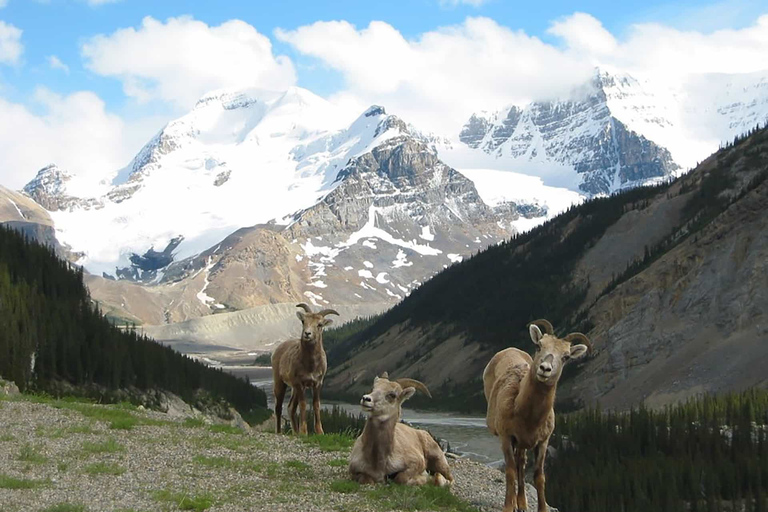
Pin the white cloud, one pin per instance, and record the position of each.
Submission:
(95, 3)
(444, 75)
(439, 78)
(3, 3)
(585, 34)
(10, 43)
(75, 132)
(180, 60)
(56, 63)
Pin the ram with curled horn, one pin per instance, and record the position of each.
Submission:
(389, 449)
(520, 391)
(301, 364)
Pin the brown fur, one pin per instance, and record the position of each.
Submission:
(388, 448)
(520, 391)
(301, 364)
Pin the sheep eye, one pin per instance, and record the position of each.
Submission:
(392, 395)
(566, 357)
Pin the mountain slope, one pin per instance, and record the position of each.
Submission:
(581, 135)
(665, 280)
(53, 337)
(356, 218)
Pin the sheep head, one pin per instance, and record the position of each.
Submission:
(313, 323)
(553, 353)
(387, 396)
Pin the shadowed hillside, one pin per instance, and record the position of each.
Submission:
(668, 281)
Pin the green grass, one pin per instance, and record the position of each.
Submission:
(424, 497)
(104, 468)
(9, 482)
(29, 453)
(65, 507)
(298, 466)
(7, 438)
(330, 442)
(224, 429)
(184, 500)
(108, 446)
(193, 423)
(338, 463)
(345, 486)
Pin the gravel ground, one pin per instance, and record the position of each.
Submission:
(51, 455)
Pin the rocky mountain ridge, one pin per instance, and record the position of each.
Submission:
(668, 282)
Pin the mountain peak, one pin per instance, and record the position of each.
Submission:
(375, 110)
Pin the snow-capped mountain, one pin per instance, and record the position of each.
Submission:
(577, 142)
(360, 213)
(615, 132)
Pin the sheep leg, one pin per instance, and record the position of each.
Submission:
(279, 397)
(303, 408)
(538, 474)
(437, 465)
(292, 405)
(522, 458)
(411, 476)
(510, 470)
(316, 409)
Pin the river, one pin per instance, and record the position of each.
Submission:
(466, 434)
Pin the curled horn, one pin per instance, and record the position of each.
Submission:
(548, 329)
(577, 336)
(305, 307)
(328, 312)
(415, 384)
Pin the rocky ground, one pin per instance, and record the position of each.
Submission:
(63, 456)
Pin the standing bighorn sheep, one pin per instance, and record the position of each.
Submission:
(301, 364)
(390, 449)
(521, 393)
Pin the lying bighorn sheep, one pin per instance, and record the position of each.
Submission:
(521, 392)
(301, 364)
(390, 449)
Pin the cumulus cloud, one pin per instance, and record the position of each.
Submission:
(181, 59)
(445, 74)
(439, 78)
(56, 63)
(10, 43)
(585, 34)
(76, 132)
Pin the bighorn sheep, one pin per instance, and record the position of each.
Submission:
(390, 449)
(301, 364)
(521, 393)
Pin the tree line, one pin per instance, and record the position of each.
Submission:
(709, 454)
(52, 332)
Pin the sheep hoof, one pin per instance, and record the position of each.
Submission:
(441, 481)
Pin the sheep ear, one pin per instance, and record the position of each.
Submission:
(406, 394)
(535, 333)
(326, 322)
(577, 351)
(300, 314)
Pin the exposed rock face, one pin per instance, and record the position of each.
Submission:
(583, 134)
(49, 190)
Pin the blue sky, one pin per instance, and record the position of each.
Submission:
(118, 78)
(58, 27)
